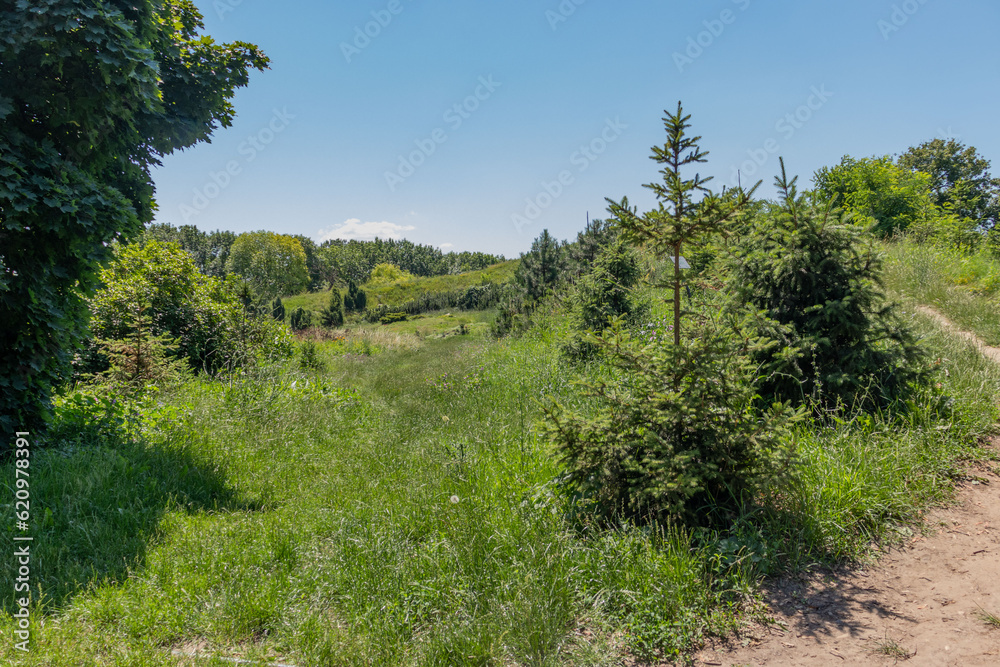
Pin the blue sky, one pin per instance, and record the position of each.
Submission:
(474, 125)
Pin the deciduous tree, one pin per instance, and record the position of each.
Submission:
(960, 178)
(92, 95)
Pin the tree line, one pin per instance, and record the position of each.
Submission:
(281, 264)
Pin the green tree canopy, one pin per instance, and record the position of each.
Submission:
(273, 264)
(960, 178)
(210, 250)
(92, 95)
(878, 193)
(204, 314)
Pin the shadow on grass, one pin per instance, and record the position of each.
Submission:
(95, 512)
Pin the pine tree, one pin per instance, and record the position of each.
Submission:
(678, 217)
(278, 309)
(604, 295)
(333, 314)
(300, 319)
(543, 266)
(816, 281)
(140, 358)
(355, 300)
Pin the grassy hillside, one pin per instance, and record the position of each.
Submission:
(397, 293)
(963, 287)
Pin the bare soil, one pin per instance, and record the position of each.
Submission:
(922, 604)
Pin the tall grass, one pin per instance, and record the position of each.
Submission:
(964, 287)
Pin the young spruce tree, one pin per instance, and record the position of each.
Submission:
(815, 280)
(678, 218)
(674, 432)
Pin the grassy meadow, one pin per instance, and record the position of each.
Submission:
(397, 506)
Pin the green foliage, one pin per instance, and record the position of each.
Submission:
(543, 267)
(674, 435)
(604, 295)
(278, 309)
(209, 250)
(595, 237)
(816, 281)
(347, 492)
(213, 328)
(356, 300)
(392, 318)
(90, 99)
(333, 314)
(273, 264)
(385, 274)
(880, 195)
(960, 179)
(300, 319)
(678, 218)
(309, 357)
(314, 265)
(140, 359)
(340, 261)
(477, 297)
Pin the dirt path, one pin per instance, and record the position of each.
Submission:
(922, 604)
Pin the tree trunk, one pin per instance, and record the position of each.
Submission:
(677, 293)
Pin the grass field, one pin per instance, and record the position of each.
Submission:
(398, 507)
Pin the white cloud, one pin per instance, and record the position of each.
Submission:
(354, 229)
(445, 246)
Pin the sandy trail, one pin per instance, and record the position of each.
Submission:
(921, 604)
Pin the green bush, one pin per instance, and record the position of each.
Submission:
(816, 282)
(389, 273)
(673, 434)
(881, 196)
(140, 359)
(604, 295)
(278, 309)
(356, 300)
(300, 319)
(333, 314)
(309, 358)
(513, 314)
(391, 318)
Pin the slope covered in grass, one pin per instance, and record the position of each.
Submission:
(965, 287)
(397, 293)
